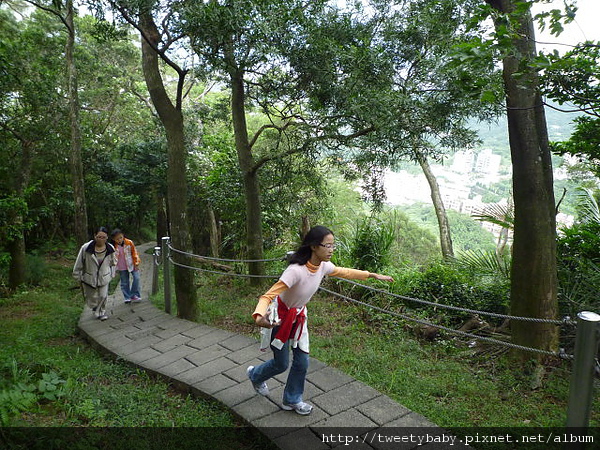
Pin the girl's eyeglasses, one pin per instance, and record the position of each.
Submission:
(328, 246)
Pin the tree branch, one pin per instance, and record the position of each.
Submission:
(52, 11)
(336, 137)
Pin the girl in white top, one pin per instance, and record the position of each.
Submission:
(282, 309)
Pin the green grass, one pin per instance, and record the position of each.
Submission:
(447, 382)
(50, 377)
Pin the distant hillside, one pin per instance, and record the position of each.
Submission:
(495, 135)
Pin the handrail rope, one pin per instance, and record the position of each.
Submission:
(566, 321)
(560, 353)
(210, 258)
(242, 275)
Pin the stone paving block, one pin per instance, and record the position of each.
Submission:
(235, 395)
(301, 439)
(411, 419)
(169, 322)
(349, 418)
(276, 388)
(142, 355)
(130, 316)
(210, 369)
(255, 408)
(238, 372)
(315, 365)
(138, 345)
(382, 409)
(247, 354)
(171, 343)
(113, 342)
(200, 357)
(94, 327)
(169, 357)
(287, 421)
(135, 333)
(214, 337)
(238, 342)
(214, 384)
(345, 397)
(198, 330)
(176, 368)
(151, 322)
(329, 378)
(180, 328)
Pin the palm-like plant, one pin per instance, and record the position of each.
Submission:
(496, 262)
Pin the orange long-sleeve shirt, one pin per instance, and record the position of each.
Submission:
(280, 286)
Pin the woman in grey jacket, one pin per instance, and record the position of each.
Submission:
(94, 268)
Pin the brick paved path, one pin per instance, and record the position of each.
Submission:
(211, 362)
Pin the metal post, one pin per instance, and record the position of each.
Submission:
(581, 387)
(157, 263)
(166, 273)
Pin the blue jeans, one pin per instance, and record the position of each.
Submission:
(294, 387)
(133, 290)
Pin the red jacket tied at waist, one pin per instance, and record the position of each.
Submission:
(292, 324)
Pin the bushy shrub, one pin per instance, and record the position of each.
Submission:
(578, 251)
(444, 284)
(370, 248)
(36, 270)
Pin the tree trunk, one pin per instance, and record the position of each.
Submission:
(254, 239)
(16, 243)
(162, 220)
(533, 273)
(438, 205)
(76, 161)
(172, 120)
(214, 233)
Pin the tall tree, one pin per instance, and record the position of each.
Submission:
(404, 87)
(533, 272)
(28, 120)
(155, 48)
(66, 12)
(247, 44)
(440, 209)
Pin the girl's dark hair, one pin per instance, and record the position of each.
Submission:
(115, 232)
(101, 230)
(314, 237)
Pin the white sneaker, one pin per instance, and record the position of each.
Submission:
(261, 388)
(102, 317)
(301, 408)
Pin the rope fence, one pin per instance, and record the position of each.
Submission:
(585, 362)
(566, 321)
(559, 353)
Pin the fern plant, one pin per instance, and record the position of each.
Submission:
(13, 401)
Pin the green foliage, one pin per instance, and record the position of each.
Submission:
(21, 391)
(442, 283)
(51, 386)
(444, 380)
(467, 233)
(584, 144)
(485, 262)
(371, 244)
(36, 270)
(13, 402)
(578, 252)
(59, 381)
